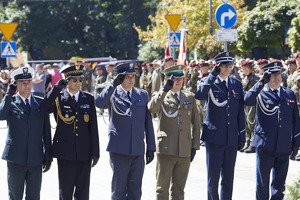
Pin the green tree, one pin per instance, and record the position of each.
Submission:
(91, 28)
(197, 23)
(264, 26)
(150, 51)
(294, 33)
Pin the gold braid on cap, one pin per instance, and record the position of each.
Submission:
(76, 71)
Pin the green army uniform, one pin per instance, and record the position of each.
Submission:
(178, 132)
(87, 80)
(192, 80)
(149, 84)
(201, 105)
(248, 82)
(284, 78)
(156, 81)
(137, 80)
(296, 86)
(110, 77)
(289, 81)
(143, 80)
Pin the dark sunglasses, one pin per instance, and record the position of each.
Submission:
(76, 79)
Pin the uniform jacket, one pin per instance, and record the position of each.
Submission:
(248, 82)
(277, 132)
(127, 132)
(156, 81)
(223, 125)
(28, 140)
(176, 135)
(79, 140)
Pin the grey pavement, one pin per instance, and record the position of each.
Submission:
(244, 181)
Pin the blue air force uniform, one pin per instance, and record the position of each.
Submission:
(28, 140)
(130, 123)
(223, 128)
(276, 132)
(76, 140)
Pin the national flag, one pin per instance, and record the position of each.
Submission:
(182, 49)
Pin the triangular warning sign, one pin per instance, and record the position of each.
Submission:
(174, 21)
(174, 40)
(8, 29)
(8, 50)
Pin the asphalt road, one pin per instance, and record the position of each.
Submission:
(244, 181)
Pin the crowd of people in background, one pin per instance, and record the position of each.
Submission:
(224, 104)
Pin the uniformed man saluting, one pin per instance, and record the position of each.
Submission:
(276, 133)
(178, 134)
(130, 123)
(28, 143)
(224, 125)
(76, 142)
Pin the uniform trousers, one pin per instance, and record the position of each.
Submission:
(171, 169)
(18, 176)
(265, 162)
(74, 175)
(127, 177)
(220, 159)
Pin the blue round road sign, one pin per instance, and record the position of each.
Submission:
(226, 16)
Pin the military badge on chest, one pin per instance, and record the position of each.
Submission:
(86, 116)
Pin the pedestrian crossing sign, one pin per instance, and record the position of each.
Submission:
(174, 39)
(8, 49)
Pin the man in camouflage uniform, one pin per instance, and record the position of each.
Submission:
(100, 83)
(137, 76)
(291, 69)
(87, 77)
(149, 79)
(192, 77)
(143, 78)
(110, 72)
(248, 81)
(156, 81)
(296, 85)
(204, 72)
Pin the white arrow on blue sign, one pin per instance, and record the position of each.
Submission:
(8, 49)
(226, 16)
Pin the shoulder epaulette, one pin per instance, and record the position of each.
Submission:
(38, 97)
(85, 92)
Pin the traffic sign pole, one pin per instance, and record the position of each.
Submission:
(226, 17)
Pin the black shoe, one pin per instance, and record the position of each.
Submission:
(244, 148)
(202, 144)
(250, 150)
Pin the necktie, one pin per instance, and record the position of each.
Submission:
(224, 82)
(73, 97)
(177, 99)
(27, 106)
(276, 94)
(128, 95)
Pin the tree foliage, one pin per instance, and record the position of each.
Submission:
(197, 13)
(150, 51)
(294, 34)
(264, 26)
(91, 28)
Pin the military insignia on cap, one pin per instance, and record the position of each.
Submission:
(275, 64)
(227, 53)
(131, 65)
(267, 106)
(77, 67)
(25, 70)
